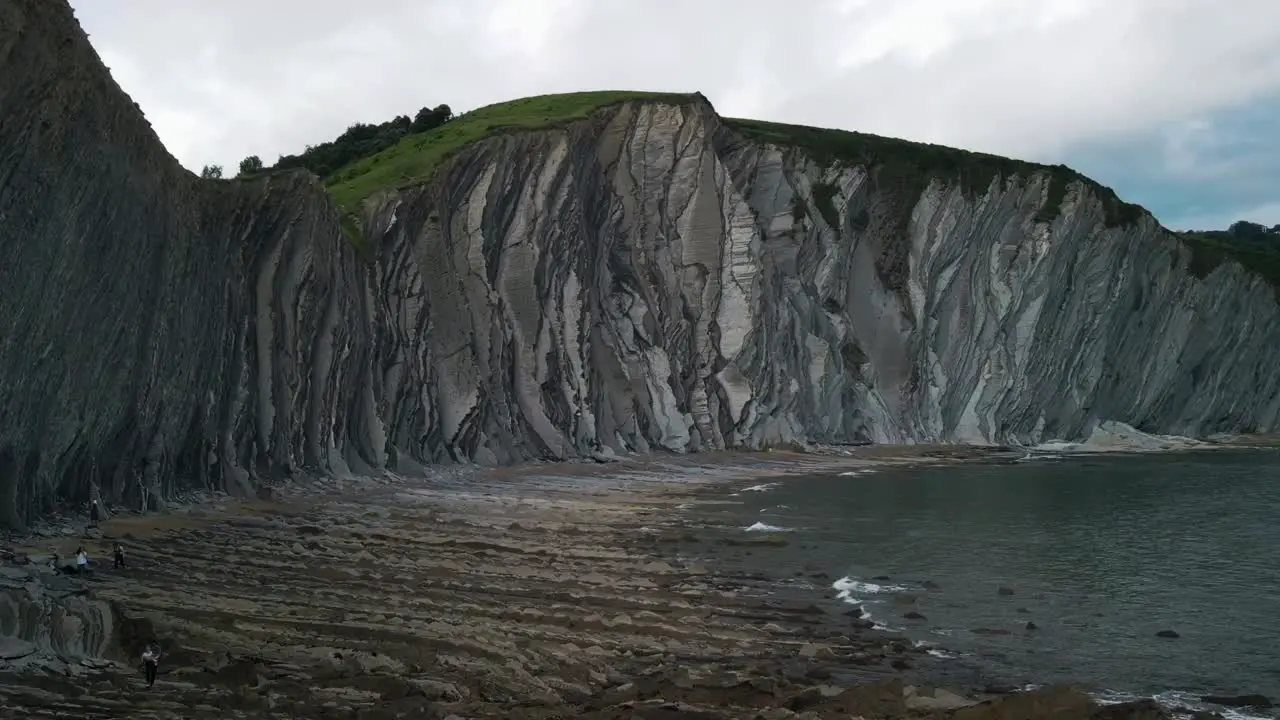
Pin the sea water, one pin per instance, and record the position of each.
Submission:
(1058, 569)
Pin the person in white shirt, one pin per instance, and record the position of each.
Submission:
(150, 658)
(82, 561)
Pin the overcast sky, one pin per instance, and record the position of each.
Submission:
(1175, 103)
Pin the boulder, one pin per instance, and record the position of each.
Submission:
(1256, 701)
(12, 648)
(933, 699)
(1052, 703)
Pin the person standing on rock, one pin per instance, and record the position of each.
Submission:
(150, 660)
(82, 561)
(119, 552)
(95, 513)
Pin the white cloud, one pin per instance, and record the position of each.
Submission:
(221, 79)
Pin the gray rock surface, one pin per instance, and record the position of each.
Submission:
(643, 280)
(155, 330)
(644, 283)
(52, 617)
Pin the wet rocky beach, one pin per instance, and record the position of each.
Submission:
(570, 591)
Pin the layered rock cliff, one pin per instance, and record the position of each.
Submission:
(650, 278)
(155, 330)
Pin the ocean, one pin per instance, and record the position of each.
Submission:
(1056, 569)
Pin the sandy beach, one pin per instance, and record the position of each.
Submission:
(546, 591)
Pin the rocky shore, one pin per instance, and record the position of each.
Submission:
(569, 591)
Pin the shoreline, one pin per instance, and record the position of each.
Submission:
(522, 592)
(956, 667)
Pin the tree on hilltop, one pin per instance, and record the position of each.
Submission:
(431, 118)
(250, 165)
(362, 140)
(211, 172)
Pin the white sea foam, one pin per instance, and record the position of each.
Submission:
(856, 473)
(1181, 704)
(761, 488)
(849, 588)
(862, 593)
(1030, 457)
(765, 527)
(933, 650)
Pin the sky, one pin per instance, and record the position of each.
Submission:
(1174, 103)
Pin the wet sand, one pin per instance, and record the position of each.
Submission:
(547, 591)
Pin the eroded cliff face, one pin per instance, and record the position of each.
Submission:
(644, 280)
(155, 330)
(650, 281)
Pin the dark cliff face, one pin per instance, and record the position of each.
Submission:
(134, 297)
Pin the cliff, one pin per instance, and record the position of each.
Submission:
(632, 273)
(155, 330)
(658, 278)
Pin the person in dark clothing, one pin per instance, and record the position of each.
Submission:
(119, 553)
(150, 660)
(95, 513)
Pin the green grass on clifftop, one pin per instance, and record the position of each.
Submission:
(903, 167)
(414, 159)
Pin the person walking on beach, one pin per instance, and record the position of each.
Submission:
(150, 660)
(119, 553)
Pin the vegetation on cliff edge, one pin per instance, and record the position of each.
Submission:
(415, 158)
(403, 152)
(1254, 246)
(974, 171)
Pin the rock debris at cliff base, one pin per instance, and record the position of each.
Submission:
(498, 598)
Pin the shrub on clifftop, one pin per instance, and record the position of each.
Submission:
(250, 165)
(362, 140)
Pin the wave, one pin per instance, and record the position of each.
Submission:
(933, 650)
(857, 473)
(1180, 703)
(765, 527)
(763, 487)
(1029, 457)
(850, 588)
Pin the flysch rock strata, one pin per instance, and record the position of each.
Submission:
(643, 280)
(542, 593)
